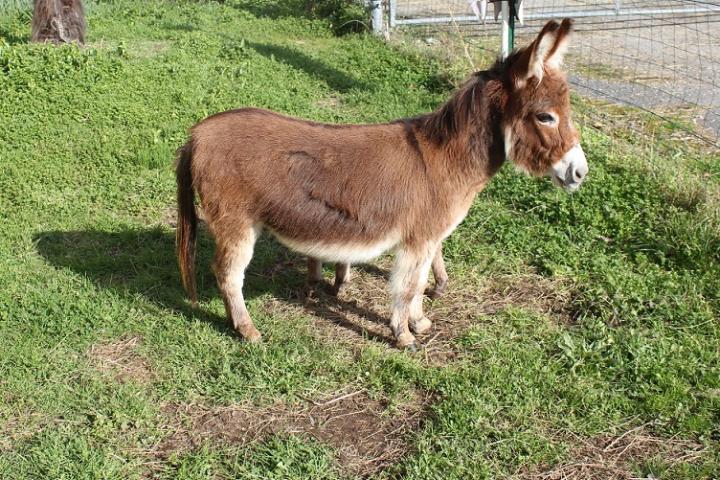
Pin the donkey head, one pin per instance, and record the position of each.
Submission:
(539, 135)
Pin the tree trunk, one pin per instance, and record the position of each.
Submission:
(58, 21)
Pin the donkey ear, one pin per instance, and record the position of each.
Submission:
(540, 49)
(562, 37)
(546, 52)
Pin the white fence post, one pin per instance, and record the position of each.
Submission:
(504, 29)
(507, 28)
(376, 11)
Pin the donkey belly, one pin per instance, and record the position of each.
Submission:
(340, 251)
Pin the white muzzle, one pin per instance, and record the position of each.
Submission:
(571, 170)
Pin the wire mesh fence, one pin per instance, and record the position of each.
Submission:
(662, 56)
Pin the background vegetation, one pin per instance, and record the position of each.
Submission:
(579, 330)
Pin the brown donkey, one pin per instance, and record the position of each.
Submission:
(347, 193)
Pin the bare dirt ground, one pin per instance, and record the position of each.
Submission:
(666, 63)
(366, 435)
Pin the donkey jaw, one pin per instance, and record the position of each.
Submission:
(571, 170)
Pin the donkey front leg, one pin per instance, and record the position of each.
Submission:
(232, 257)
(408, 282)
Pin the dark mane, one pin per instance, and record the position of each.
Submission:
(466, 105)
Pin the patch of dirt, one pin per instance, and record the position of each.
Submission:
(151, 49)
(23, 425)
(120, 361)
(362, 308)
(613, 457)
(365, 434)
(331, 102)
(541, 294)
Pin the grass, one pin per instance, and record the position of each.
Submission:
(578, 330)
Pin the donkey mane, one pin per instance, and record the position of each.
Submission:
(466, 106)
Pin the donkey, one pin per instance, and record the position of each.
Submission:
(347, 193)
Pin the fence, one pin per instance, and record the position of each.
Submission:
(662, 56)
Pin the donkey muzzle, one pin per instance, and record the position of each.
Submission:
(571, 170)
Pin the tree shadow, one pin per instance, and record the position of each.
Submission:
(334, 78)
(180, 27)
(12, 37)
(142, 262)
(275, 9)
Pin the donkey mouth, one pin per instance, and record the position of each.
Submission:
(562, 182)
(569, 187)
(570, 172)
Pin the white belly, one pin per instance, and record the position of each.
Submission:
(351, 252)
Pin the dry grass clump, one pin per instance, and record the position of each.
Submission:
(612, 457)
(120, 361)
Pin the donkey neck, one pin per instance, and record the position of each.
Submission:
(466, 129)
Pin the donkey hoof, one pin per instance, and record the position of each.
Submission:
(407, 341)
(421, 326)
(412, 348)
(433, 293)
(308, 291)
(250, 334)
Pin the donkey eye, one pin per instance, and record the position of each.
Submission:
(546, 118)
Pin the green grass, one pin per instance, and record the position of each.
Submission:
(87, 140)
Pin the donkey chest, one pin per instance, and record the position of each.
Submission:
(456, 215)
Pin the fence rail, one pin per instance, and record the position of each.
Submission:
(662, 56)
(617, 11)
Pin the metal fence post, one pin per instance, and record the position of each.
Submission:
(393, 13)
(377, 16)
(507, 29)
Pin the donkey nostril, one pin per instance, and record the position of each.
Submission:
(579, 173)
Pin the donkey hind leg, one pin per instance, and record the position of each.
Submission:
(342, 276)
(314, 275)
(408, 281)
(231, 259)
(440, 274)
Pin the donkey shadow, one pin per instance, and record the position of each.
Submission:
(142, 262)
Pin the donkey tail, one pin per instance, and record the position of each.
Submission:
(187, 220)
